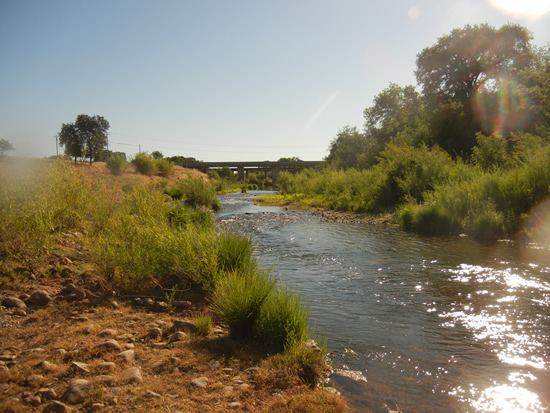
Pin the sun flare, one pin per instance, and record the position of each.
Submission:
(532, 9)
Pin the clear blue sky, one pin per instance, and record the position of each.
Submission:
(219, 79)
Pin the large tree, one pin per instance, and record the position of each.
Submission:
(86, 137)
(5, 146)
(346, 149)
(462, 64)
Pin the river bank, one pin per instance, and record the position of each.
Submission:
(90, 324)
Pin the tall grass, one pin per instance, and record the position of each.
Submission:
(116, 163)
(144, 163)
(235, 252)
(195, 192)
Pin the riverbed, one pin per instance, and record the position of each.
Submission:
(413, 323)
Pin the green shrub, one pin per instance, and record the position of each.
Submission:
(163, 167)
(485, 223)
(182, 215)
(238, 299)
(144, 163)
(283, 320)
(203, 322)
(427, 219)
(235, 252)
(198, 192)
(116, 163)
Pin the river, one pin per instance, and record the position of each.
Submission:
(413, 324)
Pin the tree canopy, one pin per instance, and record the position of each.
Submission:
(86, 137)
(5, 146)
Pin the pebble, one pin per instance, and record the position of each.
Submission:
(128, 356)
(14, 302)
(106, 366)
(186, 326)
(40, 298)
(34, 379)
(109, 345)
(228, 390)
(56, 407)
(105, 380)
(46, 366)
(77, 391)
(178, 336)
(108, 332)
(235, 405)
(47, 393)
(154, 333)
(79, 367)
(200, 382)
(132, 375)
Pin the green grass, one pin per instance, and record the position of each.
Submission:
(235, 252)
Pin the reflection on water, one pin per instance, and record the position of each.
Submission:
(416, 324)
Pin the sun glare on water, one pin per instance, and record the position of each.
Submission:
(532, 9)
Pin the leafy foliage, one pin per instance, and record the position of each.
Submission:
(5, 146)
(86, 137)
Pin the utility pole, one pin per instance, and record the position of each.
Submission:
(56, 147)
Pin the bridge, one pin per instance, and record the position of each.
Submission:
(243, 168)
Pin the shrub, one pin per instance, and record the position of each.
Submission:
(235, 252)
(198, 192)
(485, 223)
(283, 320)
(204, 324)
(427, 219)
(164, 167)
(144, 163)
(238, 298)
(182, 215)
(116, 163)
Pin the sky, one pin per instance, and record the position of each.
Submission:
(219, 80)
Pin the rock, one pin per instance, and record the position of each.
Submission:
(227, 391)
(214, 364)
(80, 318)
(14, 302)
(110, 345)
(311, 345)
(79, 367)
(159, 345)
(178, 336)
(132, 375)
(56, 407)
(125, 337)
(97, 407)
(89, 329)
(34, 379)
(127, 356)
(46, 366)
(152, 394)
(154, 333)
(77, 295)
(129, 346)
(108, 332)
(200, 382)
(137, 301)
(33, 400)
(105, 380)
(59, 352)
(183, 304)
(160, 306)
(114, 305)
(24, 297)
(156, 365)
(20, 312)
(147, 302)
(161, 324)
(186, 326)
(47, 393)
(40, 298)
(235, 405)
(77, 391)
(106, 366)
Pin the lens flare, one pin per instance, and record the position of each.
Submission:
(504, 109)
(531, 9)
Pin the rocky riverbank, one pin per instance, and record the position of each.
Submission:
(354, 218)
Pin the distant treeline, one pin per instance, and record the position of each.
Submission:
(467, 151)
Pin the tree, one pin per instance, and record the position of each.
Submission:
(86, 137)
(157, 155)
(346, 148)
(289, 159)
(462, 64)
(5, 146)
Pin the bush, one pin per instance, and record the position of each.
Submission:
(283, 320)
(485, 223)
(204, 324)
(427, 219)
(238, 299)
(182, 216)
(116, 163)
(144, 163)
(163, 167)
(197, 192)
(235, 252)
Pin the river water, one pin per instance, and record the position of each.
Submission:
(413, 324)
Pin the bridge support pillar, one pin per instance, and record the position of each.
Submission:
(275, 170)
(240, 173)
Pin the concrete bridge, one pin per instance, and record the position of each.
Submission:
(243, 168)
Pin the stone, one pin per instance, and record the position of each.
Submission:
(214, 364)
(106, 366)
(125, 337)
(201, 382)
(154, 333)
(46, 366)
(114, 305)
(127, 356)
(147, 302)
(160, 306)
(97, 407)
(33, 400)
(105, 380)
(159, 345)
(185, 326)
(14, 302)
(110, 345)
(183, 304)
(89, 329)
(19, 312)
(152, 394)
(47, 393)
(59, 352)
(56, 407)
(108, 332)
(77, 391)
(161, 324)
(40, 298)
(129, 346)
(227, 391)
(34, 379)
(178, 336)
(79, 367)
(155, 365)
(235, 405)
(132, 375)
